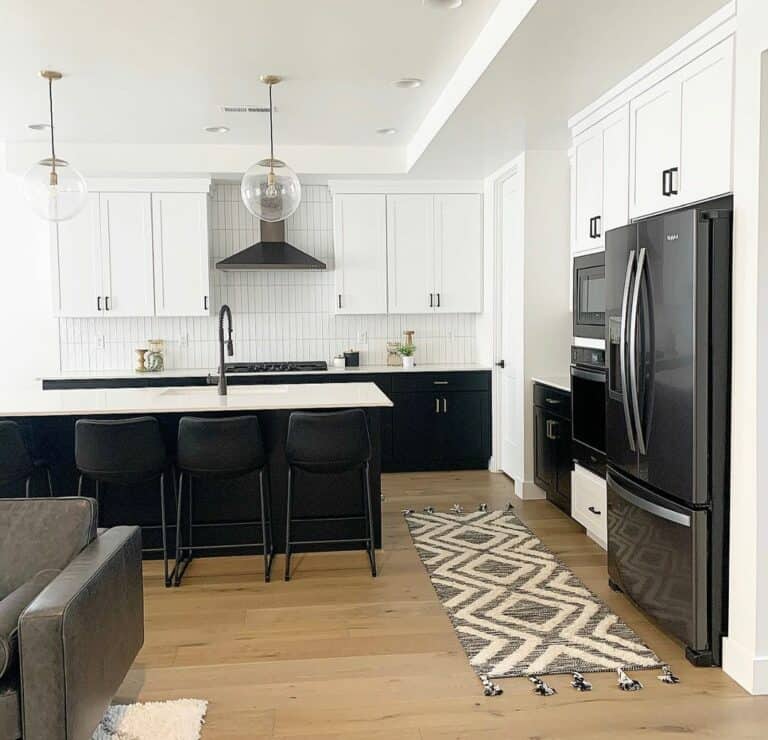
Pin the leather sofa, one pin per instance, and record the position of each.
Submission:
(71, 616)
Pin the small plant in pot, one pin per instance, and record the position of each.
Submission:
(407, 352)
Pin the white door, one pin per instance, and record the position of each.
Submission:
(360, 253)
(588, 163)
(512, 340)
(410, 253)
(654, 147)
(180, 240)
(707, 105)
(126, 243)
(459, 253)
(76, 263)
(615, 172)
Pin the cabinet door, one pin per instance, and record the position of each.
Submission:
(458, 253)
(76, 260)
(588, 164)
(707, 105)
(360, 252)
(126, 248)
(410, 253)
(461, 426)
(545, 459)
(180, 239)
(415, 427)
(615, 210)
(561, 430)
(654, 146)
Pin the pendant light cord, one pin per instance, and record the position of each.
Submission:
(50, 111)
(271, 134)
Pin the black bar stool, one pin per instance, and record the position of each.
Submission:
(217, 449)
(16, 464)
(124, 452)
(329, 442)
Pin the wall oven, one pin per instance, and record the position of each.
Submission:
(588, 388)
(589, 296)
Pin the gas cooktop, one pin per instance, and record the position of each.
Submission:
(274, 367)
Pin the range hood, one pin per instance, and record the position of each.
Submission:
(271, 253)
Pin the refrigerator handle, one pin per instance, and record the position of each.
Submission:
(633, 352)
(623, 351)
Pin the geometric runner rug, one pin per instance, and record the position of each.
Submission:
(517, 610)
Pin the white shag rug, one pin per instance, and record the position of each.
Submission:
(181, 719)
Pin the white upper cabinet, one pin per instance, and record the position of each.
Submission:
(181, 262)
(681, 135)
(360, 253)
(588, 166)
(615, 210)
(411, 253)
(126, 254)
(458, 253)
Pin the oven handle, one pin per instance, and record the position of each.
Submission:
(660, 511)
(623, 352)
(598, 376)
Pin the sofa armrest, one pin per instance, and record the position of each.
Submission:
(79, 637)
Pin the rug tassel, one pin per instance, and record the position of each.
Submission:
(541, 687)
(429, 509)
(457, 509)
(483, 508)
(490, 688)
(626, 683)
(508, 509)
(667, 676)
(580, 683)
(407, 512)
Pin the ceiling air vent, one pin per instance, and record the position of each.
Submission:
(245, 109)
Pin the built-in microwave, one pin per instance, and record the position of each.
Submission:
(589, 296)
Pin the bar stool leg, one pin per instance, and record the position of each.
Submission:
(289, 501)
(264, 539)
(165, 533)
(369, 518)
(27, 486)
(268, 502)
(97, 494)
(49, 476)
(179, 496)
(80, 484)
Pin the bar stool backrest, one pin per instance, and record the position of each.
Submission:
(120, 451)
(15, 460)
(328, 442)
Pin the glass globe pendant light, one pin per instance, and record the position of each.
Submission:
(55, 190)
(270, 189)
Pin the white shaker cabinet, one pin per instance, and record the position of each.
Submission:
(360, 253)
(181, 262)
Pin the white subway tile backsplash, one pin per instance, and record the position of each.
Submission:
(278, 315)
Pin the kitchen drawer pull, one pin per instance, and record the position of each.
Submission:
(445, 405)
(437, 405)
(594, 510)
(439, 382)
(553, 401)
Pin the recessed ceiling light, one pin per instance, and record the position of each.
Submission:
(408, 83)
(386, 131)
(216, 129)
(450, 4)
(39, 126)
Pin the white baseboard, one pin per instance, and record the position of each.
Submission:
(528, 491)
(750, 671)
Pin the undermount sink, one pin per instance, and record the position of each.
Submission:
(236, 390)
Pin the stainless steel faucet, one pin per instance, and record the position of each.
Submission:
(224, 311)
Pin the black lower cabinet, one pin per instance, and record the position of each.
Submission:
(552, 444)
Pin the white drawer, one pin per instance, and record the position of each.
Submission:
(589, 503)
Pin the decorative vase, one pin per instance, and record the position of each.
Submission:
(140, 359)
(408, 362)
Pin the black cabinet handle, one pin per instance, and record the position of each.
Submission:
(594, 510)
(106, 303)
(431, 300)
(672, 190)
(438, 300)
(597, 226)
(205, 303)
(98, 303)
(339, 300)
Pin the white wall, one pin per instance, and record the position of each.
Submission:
(28, 333)
(745, 650)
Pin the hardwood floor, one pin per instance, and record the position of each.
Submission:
(337, 655)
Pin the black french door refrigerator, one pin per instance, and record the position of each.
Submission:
(667, 415)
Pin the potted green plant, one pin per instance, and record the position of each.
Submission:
(407, 351)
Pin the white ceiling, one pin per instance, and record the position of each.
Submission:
(144, 77)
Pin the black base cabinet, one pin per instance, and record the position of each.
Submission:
(552, 444)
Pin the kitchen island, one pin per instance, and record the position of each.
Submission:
(224, 511)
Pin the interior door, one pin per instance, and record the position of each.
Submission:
(180, 237)
(459, 253)
(588, 161)
(126, 238)
(665, 352)
(360, 251)
(654, 146)
(76, 259)
(411, 253)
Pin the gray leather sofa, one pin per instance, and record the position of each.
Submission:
(71, 616)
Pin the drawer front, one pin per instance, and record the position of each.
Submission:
(589, 503)
(437, 382)
(552, 399)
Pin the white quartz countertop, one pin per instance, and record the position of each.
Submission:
(198, 373)
(562, 382)
(192, 399)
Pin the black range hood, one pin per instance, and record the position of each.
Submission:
(271, 253)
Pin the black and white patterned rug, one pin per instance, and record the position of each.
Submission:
(516, 609)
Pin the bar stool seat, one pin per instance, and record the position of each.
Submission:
(217, 449)
(16, 462)
(124, 452)
(328, 443)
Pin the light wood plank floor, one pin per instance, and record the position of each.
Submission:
(337, 655)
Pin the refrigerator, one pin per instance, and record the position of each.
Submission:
(668, 300)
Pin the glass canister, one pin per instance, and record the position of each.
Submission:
(154, 361)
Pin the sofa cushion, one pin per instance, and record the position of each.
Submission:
(40, 534)
(10, 714)
(11, 608)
